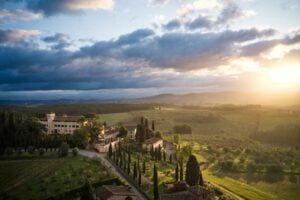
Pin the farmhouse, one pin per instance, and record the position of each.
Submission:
(108, 136)
(112, 192)
(131, 128)
(169, 148)
(152, 143)
(61, 124)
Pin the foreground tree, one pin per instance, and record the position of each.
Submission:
(110, 151)
(88, 191)
(192, 171)
(155, 184)
(176, 172)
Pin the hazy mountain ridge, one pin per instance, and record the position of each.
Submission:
(209, 98)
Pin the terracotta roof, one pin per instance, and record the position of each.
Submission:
(114, 192)
(152, 140)
(63, 118)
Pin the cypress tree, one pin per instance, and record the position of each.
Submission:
(176, 172)
(164, 155)
(201, 181)
(110, 152)
(128, 168)
(134, 171)
(192, 171)
(88, 191)
(146, 123)
(171, 158)
(159, 153)
(155, 184)
(140, 178)
(181, 171)
(144, 167)
(153, 126)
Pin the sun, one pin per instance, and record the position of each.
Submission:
(284, 77)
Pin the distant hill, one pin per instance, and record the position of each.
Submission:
(204, 99)
(288, 98)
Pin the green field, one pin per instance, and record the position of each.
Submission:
(227, 133)
(43, 178)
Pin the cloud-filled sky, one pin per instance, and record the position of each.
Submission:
(51, 49)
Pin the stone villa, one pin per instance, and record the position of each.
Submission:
(61, 124)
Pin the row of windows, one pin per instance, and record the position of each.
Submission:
(65, 131)
(62, 125)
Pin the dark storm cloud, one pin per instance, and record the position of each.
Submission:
(126, 62)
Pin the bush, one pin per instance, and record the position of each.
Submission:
(31, 149)
(41, 151)
(75, 151)
(274, 169)
(63, 150)
(19, 150)
(8, 150)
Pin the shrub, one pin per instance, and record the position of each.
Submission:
(31, 149)
(41, 151)
(274, 169)
(75, 151)
(63, 149)
(8, 150)
(19, 150)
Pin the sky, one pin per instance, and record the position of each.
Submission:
(113, 49)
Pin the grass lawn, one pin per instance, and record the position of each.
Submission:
(43, 178)
(241, 189)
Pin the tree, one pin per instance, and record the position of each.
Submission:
(128, 168)
(176, 139)
(181, 171)
(122, 132)
(140, 178)
(192, 171)
(155, 184)
(80, 137)
(176, 172)
(75, 151)
(88, 191)
(164, 155)
(171, 158)
(153, 125)
(134, 170)
(63, 150)
(110, 151)
(144, 167)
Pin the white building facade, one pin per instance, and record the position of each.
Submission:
(61, 124)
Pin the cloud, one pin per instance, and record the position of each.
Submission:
(200, 22)
(199, 5)
(140, 59)
(52, 7)
(158, 2)
(13, 36)
(172, 25)
(58, 41)
(135, 36)
(16, 15)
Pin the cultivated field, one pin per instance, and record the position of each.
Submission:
(44, 178)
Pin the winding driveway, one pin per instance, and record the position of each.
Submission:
(92, 154)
